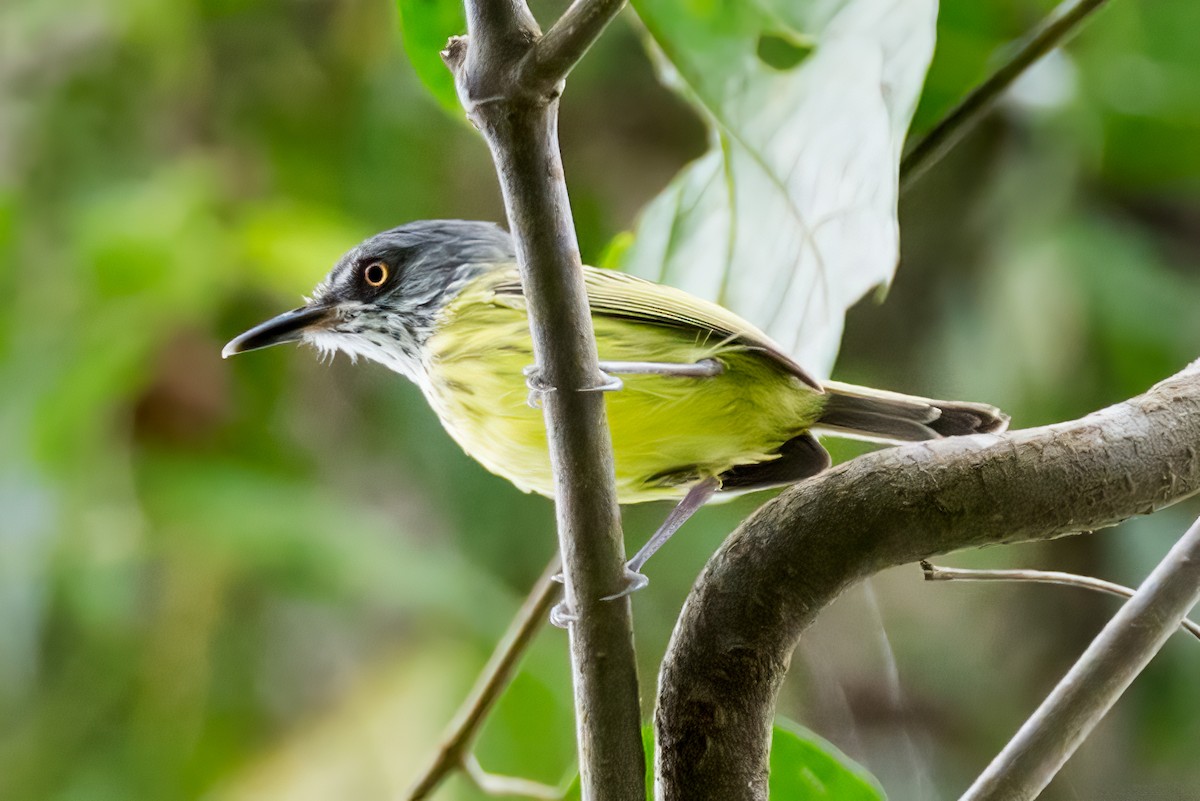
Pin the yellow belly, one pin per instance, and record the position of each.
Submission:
(666, 431)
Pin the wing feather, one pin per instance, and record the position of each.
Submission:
(619, 295)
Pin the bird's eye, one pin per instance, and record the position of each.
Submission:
(375, 273)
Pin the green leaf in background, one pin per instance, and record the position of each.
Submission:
(791, 216)
(425, 25)
(804, 767)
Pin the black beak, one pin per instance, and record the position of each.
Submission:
(287, 327)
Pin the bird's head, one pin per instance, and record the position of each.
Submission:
(382, 298)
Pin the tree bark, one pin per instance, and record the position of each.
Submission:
(733, 642)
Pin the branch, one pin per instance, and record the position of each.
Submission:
(936, 573)
(1110, 664)
(455, 748)
(1053, 31)
(568, 39)
(519, 120)
(741, 622)
(491, 784)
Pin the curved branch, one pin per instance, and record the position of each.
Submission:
(734, 640)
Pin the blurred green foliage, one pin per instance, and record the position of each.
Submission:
(804, 767)
(275, 579)
(426, 25)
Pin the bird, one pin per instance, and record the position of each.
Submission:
(704, 403)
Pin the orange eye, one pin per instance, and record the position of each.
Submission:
(375, 273)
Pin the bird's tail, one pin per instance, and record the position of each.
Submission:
(872, 414)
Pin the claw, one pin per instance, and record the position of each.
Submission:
(610, 383)
(538, 387)
(634, 581)
(562, 616)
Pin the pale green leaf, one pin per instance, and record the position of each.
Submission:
(791, 215)
(425, 26)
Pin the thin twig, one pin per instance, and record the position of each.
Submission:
(493, 679)
(937, 573)
(1053, 31)
(568, 39)
(494, 784)
(1110, 664)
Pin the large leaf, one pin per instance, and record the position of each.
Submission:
(426, 25)
(791, 216)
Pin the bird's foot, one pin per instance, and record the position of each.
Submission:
(608, 383)
(562, 615)
(634, 581)
(538, 386)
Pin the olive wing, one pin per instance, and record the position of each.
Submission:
(618, 295)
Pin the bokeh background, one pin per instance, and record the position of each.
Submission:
(275, 579)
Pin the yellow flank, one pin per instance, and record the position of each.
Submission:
(667, 431)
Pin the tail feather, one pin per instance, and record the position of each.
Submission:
(864, 413)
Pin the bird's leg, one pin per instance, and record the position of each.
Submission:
(611, 371)
(562, 615)
(696, 497)
(705, 368)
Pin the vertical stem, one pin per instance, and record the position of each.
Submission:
(524, 143)
(517, 112)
